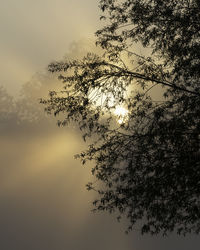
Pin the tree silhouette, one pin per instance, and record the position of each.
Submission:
(147, 158)
(8, 112)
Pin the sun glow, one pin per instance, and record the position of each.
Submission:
(107, 101)
(121, 114)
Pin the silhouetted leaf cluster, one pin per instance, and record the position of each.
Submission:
(149, 165)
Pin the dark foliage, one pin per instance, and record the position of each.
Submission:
(149, 163)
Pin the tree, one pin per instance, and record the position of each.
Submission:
(147, 158)
(8, 116)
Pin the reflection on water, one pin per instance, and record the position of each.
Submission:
(44, 204)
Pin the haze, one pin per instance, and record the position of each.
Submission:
(44, 204)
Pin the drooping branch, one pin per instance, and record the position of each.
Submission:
(125, 72)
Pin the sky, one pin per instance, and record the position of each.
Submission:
(33, 33)
(44, 204)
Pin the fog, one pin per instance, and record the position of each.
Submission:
(35, 32)
(44, 203)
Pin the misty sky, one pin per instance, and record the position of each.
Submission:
(35, 32)
(44, 204)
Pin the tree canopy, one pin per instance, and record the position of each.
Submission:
(145, 149)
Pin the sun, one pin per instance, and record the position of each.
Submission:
(121, 114)
(103, 100)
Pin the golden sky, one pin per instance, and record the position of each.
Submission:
(35, 32)
(44, 204)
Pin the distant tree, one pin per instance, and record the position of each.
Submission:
(145, 150)
(27, 107)
(25, 112)
(7, 110)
